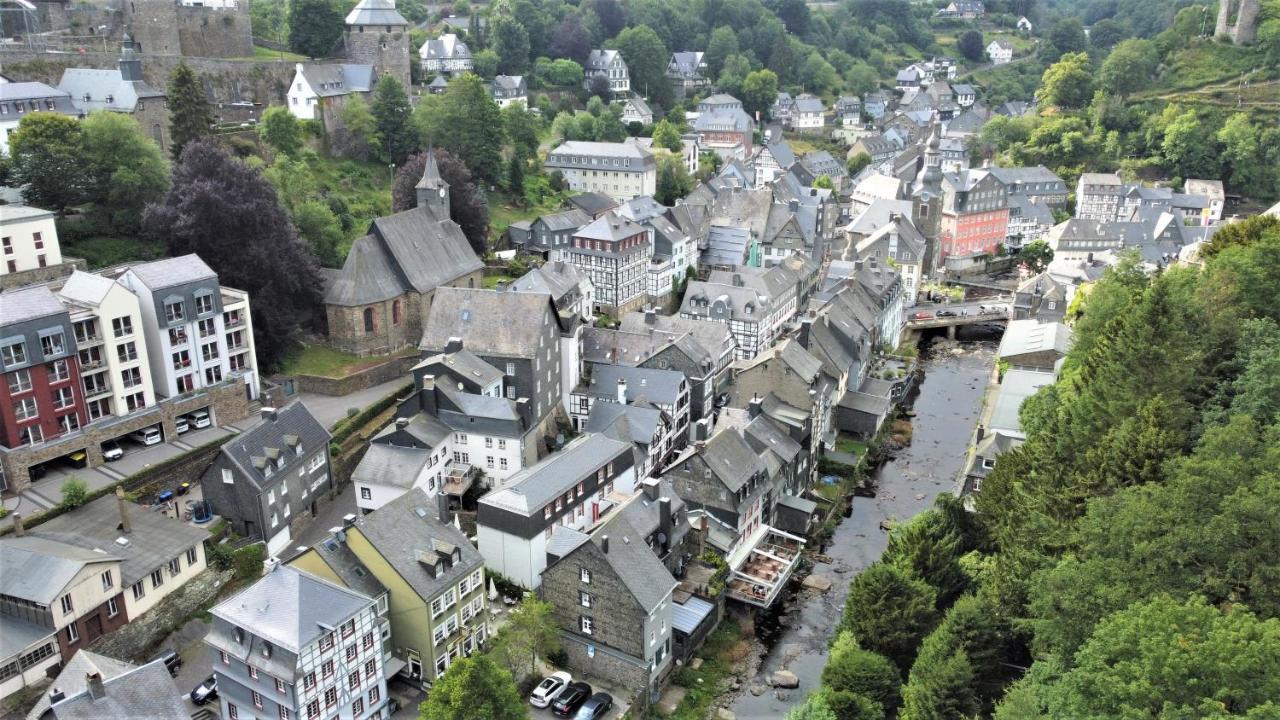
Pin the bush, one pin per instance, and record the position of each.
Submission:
(248, 560)
(74, 492)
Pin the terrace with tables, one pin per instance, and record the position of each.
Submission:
(760, 567)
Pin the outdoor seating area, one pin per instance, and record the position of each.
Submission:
(763, 567)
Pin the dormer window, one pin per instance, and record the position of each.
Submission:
(297, 449)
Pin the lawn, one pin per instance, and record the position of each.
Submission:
(492, 281)
(363, 190)
(853, 447)
(503, 212)
(261, 53)
(327, 362)
(105, 251)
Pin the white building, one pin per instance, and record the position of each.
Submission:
(28, 239)
(1000, 51)
(315, 85)
(19, 99)
(199, 333)
(1099, 196)
(807, 114)
(621, 170)
(109, 329)
(412, 453)
(446, 55)
(610, 65)
(615, 253)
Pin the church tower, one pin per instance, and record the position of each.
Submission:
(926, 200)
(377, 34)
(433, 191)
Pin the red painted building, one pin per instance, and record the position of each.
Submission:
(40, 392)
(975, 214)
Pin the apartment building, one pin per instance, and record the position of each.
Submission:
(552, 503)
(614, 253)
(620, 170)
(28, 239)
(41, 397)
(293, 645)
(199, 333)
(111, 345)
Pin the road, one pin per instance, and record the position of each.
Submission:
(973, 307)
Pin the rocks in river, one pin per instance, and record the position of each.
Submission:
(920, 496)
(785, 679)
(725, 714)
(818, 582)
(757, 689)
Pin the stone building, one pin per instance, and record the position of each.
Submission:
(380, 300)
(377, 34)
(123, 90)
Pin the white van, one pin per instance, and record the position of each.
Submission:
(147, 436)
(200, 419)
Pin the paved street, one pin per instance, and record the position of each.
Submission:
(329, 409)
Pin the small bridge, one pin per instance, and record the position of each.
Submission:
(953, 315)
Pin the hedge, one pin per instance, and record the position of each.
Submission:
(347, 426)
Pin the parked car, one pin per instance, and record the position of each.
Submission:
(172, 661)
(181, 424)
(78, 458)
(205, 691)
(147, 436)
(947, 313)
(111, 450)
(570, 699)
(596, 707)
(549, 688)
(200, 419)
(922, 316)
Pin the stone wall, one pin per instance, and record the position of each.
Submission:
(138, 640)
(392, 369)
(22, 278)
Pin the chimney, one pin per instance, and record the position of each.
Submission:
(737, 280)
(701, 429)
(981, 433)
(604, 544)
(622, 391)
(664, 517)
(56, 696)
(124, 510)
(651, 488)
(454, 345)
(702, 535)
(755, 407)
(94, 681)
(402, 422)
(558, 266)
(18, 529)
(269, 414)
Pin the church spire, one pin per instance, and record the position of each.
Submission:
(432, 190)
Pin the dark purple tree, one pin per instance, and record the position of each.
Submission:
(466, 204)
(228, 214)
(613, 17)
(571, 40)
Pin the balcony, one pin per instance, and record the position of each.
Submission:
(458, 479)
(88, 340)
(230, 322)
(761, 565)
(181, 364)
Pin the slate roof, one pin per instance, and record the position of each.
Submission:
(731, 458)
(375, 12)
(610, 227)
(531, 488)
(509, 83)
(686, 64)
(169, 272)
(71, 678)
(38, 569)
(328, 79)
(106, 90)
(630, 347)
(445, 47)
(288, 607)
(723, 119)
(466, 364)
(601, 59)
(154, 538)
(602, 149)
(144, 692)
(635, 564)
(566, 220)
(635, 423)
(87, 289)
(29, 303)
(391, 465)
(347, 566)
(249, 449)
(772, 282)
(762, 434)
(407, 525)
(12, 92)
(809, 104)
(1030, 335)
(737, 299)
(643, 513)
(726, 246)
(661, 387)
(593, 203)
(483, 319)
(17, 636)
(782, 154)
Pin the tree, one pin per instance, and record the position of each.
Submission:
(473, 688)
(315, 27)
(1068, 83)
(1105, 33)
(945, 692)
(124, 169)
(599, 87)
(972, 46)
(646, 59)
(511, 42)
(822, 182)
(814, 707)
(889, 611)
(559, 73)
(74, 492)
(950, 677)
(46, 163)
(612, 17)
(857, 163)
(530, 633)
(1170, 659)
(280, 130)
(467, 205)
(1129, 67)
(1036, 256)
(391, 112)
(1190, 147)
(1241, 150)
(759, 91)
(571, 40)
(666, 136)
(926, 547)
(673, 180)
(486, 63)
(228, 214)
(320, 228)
(466, 121)
(818, 75)
(522, 127)
(515, 178)
(734, 74)
(793, 13)
(1066, 36)
(357, 134)
(852, 706)
(1241, 234)
(190, 117)
(853, 669)
(723, 43)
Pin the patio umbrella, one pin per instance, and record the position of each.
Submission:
(493, 590)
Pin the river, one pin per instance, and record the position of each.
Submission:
(947, 405)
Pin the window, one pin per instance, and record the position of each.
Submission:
(139, 591)
(173, 311)
(374, 695)
(257, 699)
(584, 599)
(19, 381)
(108, 581)
(309, 681)
(131, 377)
(112, 608)
(53, 344)
(209, 352)
(369, 324)
(357, 707)
(395, 312)
(127, 352)
(191, 556)
(502, 463)
(67, 605)
(330, 697)
(326, 643)
(353, 680)
(371, 668)
(313, 709)
(73, 633)
(232, 712)
(177, 336)
(584, 575)
(586, 624)
(284, 713)
(349, 628)
(157, 579)
(58, 370)
(63, 398)
(212, 375)
(204, 304)
(326, 670)
(25, 409)
(366, 493)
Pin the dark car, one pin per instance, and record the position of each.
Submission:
(947, 313)
(172, 661)
(205, 691)
(596, 707)
(570, 699)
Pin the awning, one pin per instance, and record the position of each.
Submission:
(688, 616)
(392, 666)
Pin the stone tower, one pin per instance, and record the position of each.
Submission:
(1245, 29)
(433, 191)
(926, 199)
(377, 34)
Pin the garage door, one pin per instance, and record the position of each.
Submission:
(278, 543)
